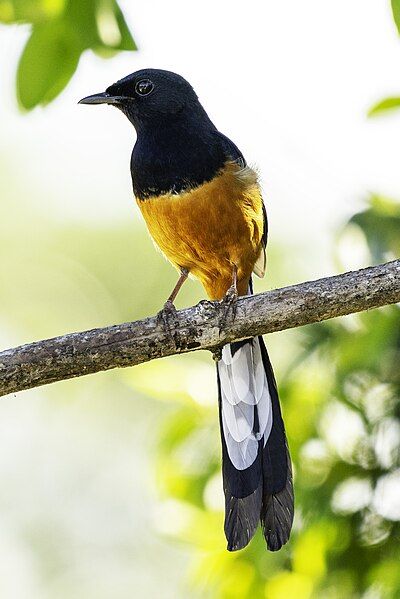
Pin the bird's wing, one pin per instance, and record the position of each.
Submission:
(232, 152)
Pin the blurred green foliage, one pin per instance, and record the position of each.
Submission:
(396, 13)
(384, 106)
(388, 104)
(61, 30)
(78, 496)
(340, 398)
(340, 391)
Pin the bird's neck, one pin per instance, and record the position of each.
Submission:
(174, 154)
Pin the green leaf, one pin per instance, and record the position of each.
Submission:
(384, 106)
(396, 12)
(30, 11)
(62, 30)
(380, 224)
(81, 17)
(127, 41)
(113, 31)
(48, 62)
(104, 51)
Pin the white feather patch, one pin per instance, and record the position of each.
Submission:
(227, 357)
(244, 389)
(242, 454)
(264, 414)
(237, 375)
(239, 418)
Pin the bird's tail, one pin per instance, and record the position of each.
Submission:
(256, 468)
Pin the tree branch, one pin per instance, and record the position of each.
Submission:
(198, 327)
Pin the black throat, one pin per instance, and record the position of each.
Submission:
(175, 152)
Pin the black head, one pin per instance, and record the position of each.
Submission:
(148, 95)
(177, 145)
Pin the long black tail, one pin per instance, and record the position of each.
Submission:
(256, 468)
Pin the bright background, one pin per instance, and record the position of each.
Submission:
(110, 483)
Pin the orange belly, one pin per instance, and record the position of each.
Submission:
(211, 228)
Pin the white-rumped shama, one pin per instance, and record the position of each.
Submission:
(203, 207)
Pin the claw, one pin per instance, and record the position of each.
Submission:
(217, 354)
(231, 295)
(167, 316)
(168, 313)
(169, 308)
(230, 299)
(229, 303)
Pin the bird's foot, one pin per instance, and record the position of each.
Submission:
(229, 304)
(216, 353)
(231, 295)
(167, 317)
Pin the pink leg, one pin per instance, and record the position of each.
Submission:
(176, 289)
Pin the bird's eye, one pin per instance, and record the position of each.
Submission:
(144, 87)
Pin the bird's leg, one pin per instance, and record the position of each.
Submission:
(230, 298)
(169, 304)
(232, 293)
(168, 311)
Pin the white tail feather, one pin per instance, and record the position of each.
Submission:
(239, 418)
(244, 389)
(243, 453)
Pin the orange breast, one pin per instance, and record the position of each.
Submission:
(211, 228)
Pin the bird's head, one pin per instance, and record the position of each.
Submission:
(147, 95)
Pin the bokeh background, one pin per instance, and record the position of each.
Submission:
(110, 484)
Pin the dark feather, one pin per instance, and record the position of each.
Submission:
(278, 498)
(277, 513)
(230, 149)
(264, 491)
(241, 518)
(243, 490)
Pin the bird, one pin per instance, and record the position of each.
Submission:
(203, 207)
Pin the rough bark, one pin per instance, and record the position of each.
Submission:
(199, 327)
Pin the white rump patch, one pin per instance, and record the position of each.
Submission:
(244, 393)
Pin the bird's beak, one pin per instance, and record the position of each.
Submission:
(102, 98)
